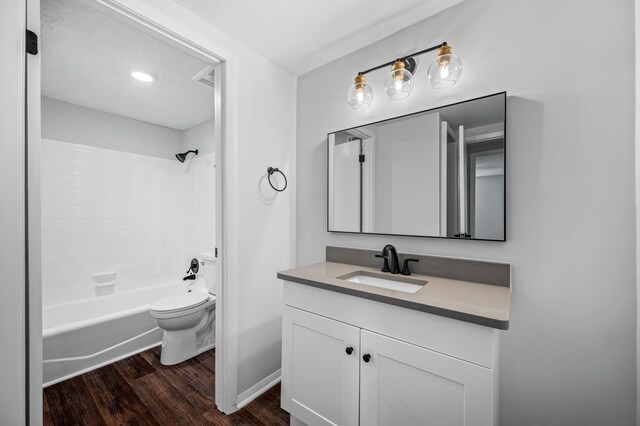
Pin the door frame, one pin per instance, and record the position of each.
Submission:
(149, 21)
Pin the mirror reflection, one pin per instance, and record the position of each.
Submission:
(437, 173)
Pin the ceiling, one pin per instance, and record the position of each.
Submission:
(303, 35)
(87, 58)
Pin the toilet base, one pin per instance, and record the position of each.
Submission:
(180, 345)
(179, 350)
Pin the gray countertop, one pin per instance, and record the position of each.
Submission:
(482, 304)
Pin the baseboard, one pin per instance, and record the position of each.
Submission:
(258, 389)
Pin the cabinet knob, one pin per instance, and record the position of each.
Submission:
(349, 350)
(366, 357)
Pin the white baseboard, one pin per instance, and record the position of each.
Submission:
(258, 389)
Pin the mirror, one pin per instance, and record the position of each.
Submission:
(435, 173)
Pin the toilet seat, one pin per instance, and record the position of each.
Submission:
(180, 302)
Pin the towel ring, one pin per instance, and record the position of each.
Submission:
(271, 171)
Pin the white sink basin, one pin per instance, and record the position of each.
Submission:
(407, 285)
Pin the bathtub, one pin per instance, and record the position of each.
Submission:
(83, 335)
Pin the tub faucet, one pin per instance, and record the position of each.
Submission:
(194, 267)
(390, 256)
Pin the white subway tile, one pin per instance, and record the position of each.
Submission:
(143, 217)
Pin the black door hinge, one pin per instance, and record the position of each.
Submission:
(361, 158)
(32, 43)
(216, 252)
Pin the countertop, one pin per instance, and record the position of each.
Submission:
(484, 304)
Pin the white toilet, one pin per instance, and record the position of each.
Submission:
(188, 319)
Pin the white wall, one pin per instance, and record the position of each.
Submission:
(408, 176)
(198, 137)
(346, 195)
(266, 229)
(73, 123)
(12, 401)
(569, 356)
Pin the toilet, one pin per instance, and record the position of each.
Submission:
(188, 319)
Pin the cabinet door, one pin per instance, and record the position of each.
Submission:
(403, 384)
(320, 380)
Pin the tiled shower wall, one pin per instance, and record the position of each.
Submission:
(110, 211)
(198, 203)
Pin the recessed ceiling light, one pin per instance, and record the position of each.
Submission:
(143, 76)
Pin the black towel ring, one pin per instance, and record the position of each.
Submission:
(271, 171)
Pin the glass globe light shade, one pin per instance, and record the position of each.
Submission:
(360, 95)
(445, 70)
(399, 83)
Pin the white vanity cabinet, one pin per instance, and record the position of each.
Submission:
(351, 361)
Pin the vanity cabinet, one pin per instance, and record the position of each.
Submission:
(351, 361)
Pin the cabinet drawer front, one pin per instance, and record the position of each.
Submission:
(320, 381)
(403, 384)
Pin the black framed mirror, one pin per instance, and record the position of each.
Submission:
(435, 173)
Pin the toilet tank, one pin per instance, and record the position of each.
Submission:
(209, 268)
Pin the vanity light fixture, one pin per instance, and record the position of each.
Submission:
(444, 71)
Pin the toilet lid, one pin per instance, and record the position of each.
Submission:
(179, 302)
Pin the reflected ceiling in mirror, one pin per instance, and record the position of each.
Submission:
(435, 173)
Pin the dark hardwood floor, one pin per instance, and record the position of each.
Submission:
(141, 391)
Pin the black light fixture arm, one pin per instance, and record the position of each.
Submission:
(404, 58)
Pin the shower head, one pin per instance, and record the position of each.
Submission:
(183, 156)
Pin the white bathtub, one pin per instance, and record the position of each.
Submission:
(84, 335)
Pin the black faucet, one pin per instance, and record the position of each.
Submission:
(194, 267)
(390, 256)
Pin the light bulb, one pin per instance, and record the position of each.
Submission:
(399, 82)
(360, 95)
(446, 69)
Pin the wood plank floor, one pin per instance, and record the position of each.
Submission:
(141, 391)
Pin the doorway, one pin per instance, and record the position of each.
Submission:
(103, 148)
